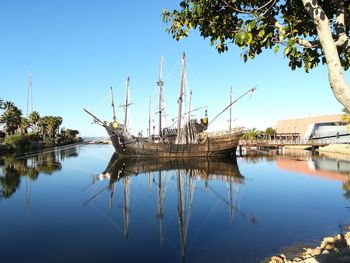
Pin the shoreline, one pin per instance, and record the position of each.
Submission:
(6, 150)
(331, 249)
(102, 141)
(336, 148)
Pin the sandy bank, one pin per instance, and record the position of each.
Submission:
(336, 148)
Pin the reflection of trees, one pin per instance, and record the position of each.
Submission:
(68, 152)
(9, 183)
(47, 163)
(346, 188)
(14, 168)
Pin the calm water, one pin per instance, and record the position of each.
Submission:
(80, 204)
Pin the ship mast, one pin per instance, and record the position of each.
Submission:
(149, 118)
(160, 214)
(189, 128)
(184, 205)
(230, 121)
(160, 84)
(150, 179)
(230, 198)
(126, 182)
(126, 101)
(182, 81)
(181, 216)
(113, 108)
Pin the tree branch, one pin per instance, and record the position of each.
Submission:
(300, 41)
(340, 28)
(343, 42)
(340, 18)
(249, 11)
(340, 88)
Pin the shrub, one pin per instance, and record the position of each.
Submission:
(19, 142)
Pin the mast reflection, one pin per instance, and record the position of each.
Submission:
(185, 172)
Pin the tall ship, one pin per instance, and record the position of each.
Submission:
(189, 139)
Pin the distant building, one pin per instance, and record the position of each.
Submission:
(317, 128)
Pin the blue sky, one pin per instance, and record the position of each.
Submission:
(75, 50)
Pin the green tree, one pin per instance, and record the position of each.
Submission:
(269, 133)
(253, 134)
(346, 116)
(7, 105)
(34, 118)
(72, 134)
(49, 125)
(11, 117)
(24, 125)
(309, 31)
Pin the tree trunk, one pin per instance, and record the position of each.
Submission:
(340, 88)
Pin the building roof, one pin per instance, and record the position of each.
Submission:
(301, 125)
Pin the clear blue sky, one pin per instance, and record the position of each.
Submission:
(75, 50)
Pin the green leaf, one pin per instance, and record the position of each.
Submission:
(282, 37)
(249, 38)
(286, 51)
(261, 33)
(276, 49)
(244, 57)
(239, 39)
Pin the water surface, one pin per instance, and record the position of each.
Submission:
(81, 204)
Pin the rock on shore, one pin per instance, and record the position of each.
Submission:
(332, 249)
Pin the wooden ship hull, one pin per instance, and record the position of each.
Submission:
(211, 168)
(221, 144)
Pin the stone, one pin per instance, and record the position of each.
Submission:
(347, 238)
(325, 252)
(329, 239)
(297, 259)
(277, 259)
(310, 260)
(315, 252)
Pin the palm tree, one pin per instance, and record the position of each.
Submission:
(269, 132)
(24, 125)
(53, 125)
(42, 125)
(50, 125)
(11, 118)
(253, 133)
(2, 104)
(7, 105)
(34, 118)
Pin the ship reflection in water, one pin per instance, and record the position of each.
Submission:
(94, 208)
(184, 173)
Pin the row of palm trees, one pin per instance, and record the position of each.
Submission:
(254, 134)
(15, 123)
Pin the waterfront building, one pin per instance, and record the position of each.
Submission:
(316, 128)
